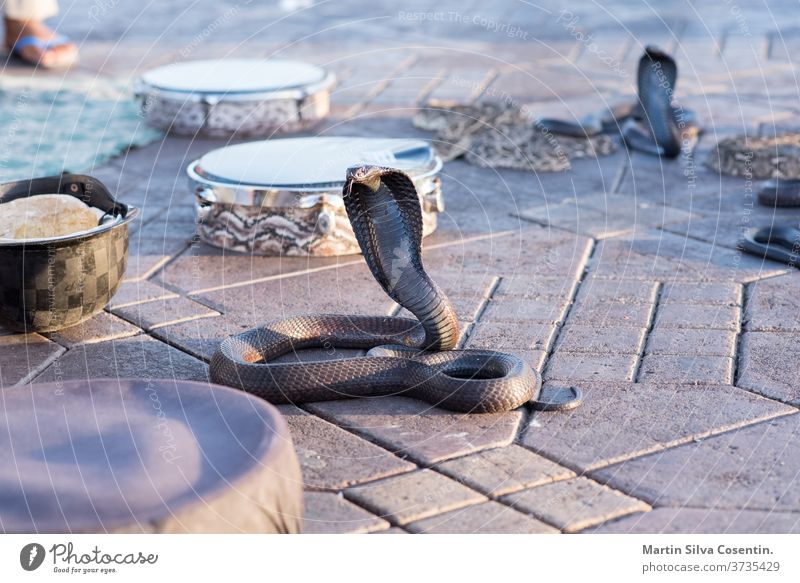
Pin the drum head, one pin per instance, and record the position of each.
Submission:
(295, 163)
(231, 76)
(105, 455)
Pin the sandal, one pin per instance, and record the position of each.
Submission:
(779, 243)
(43, 45)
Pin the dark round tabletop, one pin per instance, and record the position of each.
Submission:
(144, 456)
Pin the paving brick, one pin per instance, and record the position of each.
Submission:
(158, 249)
(567, 258)
(406, 91)
(620, 421)
(601, 339)
(461, 86)
(418, 430)
(708, 293)
(704, 521)
(661, 256)
(99, 328)
(136, 292)
(774, 305)
(690, 341)
(573, 366)
(326, 292)
(475, 286)
(168, 232)
(611, 313)
(487, 518)
(199, 337)
(516, 83)
(496, 472)
(573, 505)
(521, 285)
(328, 513)
(23, 356)
(604, 215)
(676, 315)
(687, 370)
(510, 336)
(141, 266)
(158, 313)
(534, 358)
(413, 497)
(600, 291)
(534, 252)
(474, 256)
(136, 357)
(332, 458)
(670, 184)
(204, 267)
(720, 227)
(178, 215)
(768, 365)
(586, 175)
(525, 310)
(358, 87)
(753, 468)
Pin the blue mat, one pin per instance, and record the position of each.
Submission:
(51, 125)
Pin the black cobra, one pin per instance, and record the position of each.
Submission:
(655, 127)
(405, 357)
(652, 124)
(777, 242)
(780, 192)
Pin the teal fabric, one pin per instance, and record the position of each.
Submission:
(52, 124)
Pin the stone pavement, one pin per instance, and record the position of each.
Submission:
(620, 276)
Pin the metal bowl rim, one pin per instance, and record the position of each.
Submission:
(131, 212)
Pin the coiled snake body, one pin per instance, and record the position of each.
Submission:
(405, 356)
(652, 124)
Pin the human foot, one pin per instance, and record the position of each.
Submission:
(35, 43)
